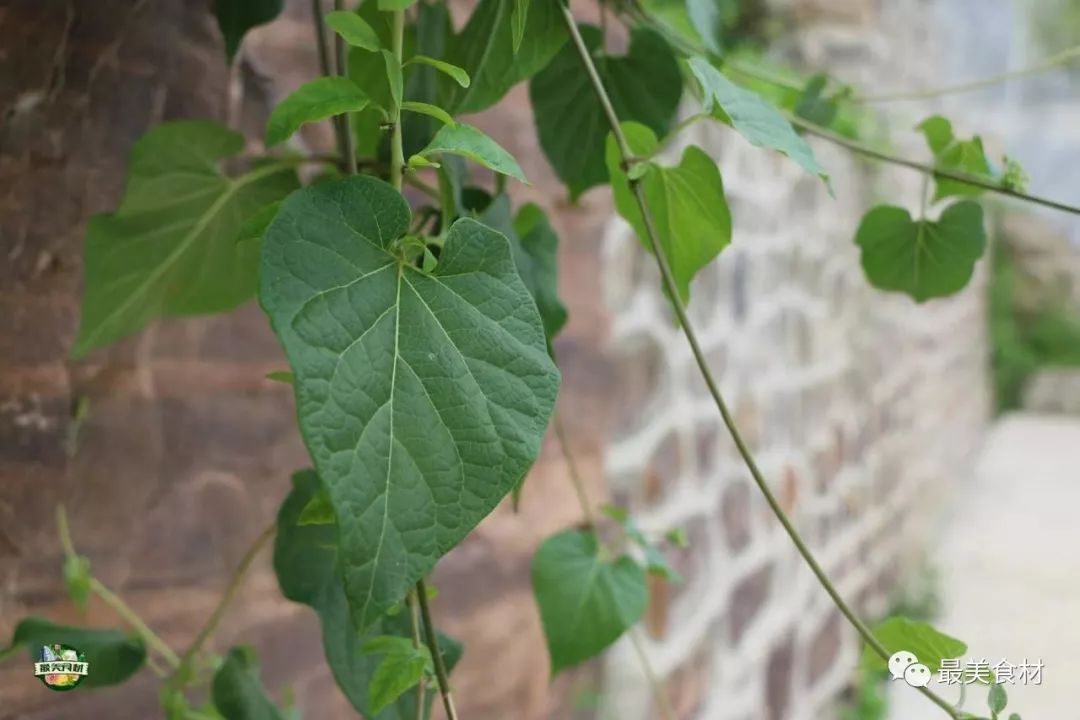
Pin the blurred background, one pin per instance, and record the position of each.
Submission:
(925, 452)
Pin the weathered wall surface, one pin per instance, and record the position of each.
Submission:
(861, 407)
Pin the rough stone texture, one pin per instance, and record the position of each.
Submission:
(830, 382)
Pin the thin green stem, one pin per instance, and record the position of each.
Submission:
(699, 356)
(436, 655)
(235, 583)
(1057, 60)
(328, 68)
(345, 136)
(320, 38)
(981, 182)
(397, 155)
(663, 702)
(113, 600)
(414, 619)
(572, 471)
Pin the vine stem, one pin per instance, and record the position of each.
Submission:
(691, 336)
(1058, 59)
(858, 147)
(414, 619)
(345, 137)
(433, 646)
(235, 582)
(397, 159)
(115, 603)
(327, 68)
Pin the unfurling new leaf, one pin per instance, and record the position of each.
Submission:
(422, 397)
(951, 153)
(586, 601)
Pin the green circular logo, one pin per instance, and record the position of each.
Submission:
(61, 667)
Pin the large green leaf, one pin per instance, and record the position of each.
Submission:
(535, 246)
(317, 100)
(951, 153)
(485, 50)
(468, 142)
(687, 204)
(925, 259)
(236, 17)
(237, 692)
(752, 116)
(171, 247)
(112, 656)
(586, 601)
(308, 571)
(423, 397)
(644, 85)
(927, 644)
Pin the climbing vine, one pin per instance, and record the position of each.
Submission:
(419, 335)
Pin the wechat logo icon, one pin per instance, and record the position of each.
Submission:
(903, 665)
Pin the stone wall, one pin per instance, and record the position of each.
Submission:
(861, 407)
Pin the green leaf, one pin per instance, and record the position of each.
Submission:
(752, 116)
(253, 228)
(468, 142)
(921, 258)
(171, 247)
(394, 78)
(431, 110)
(926, 643)
(687, 203)
(710, 19)
(485, 50)
(586, 601)
(423, 398)
(77, 579)
(308, 571)
(645, 86)
(281, 376)
(951, 153)
(460, 76)
(655, 562)
(677, 537)
(237, 692)
(817, 107)
(313, 101)
(674, 17)
(236, 17)
(518, 20)
(354, 30)
(390, 5)
(113, 656)
(401, 668)
(318, 511)
(997, 698)
(534, 245)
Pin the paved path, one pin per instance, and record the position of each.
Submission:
(1009, 555)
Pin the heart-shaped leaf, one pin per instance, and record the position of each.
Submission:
(925, 259)
(752, 116)
(308, 571)
(171, 247)
(586, 601)
(112, 656)
(644, 85)
(422, 397)
(687, 203)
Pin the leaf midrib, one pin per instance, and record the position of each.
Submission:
(232, 187)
